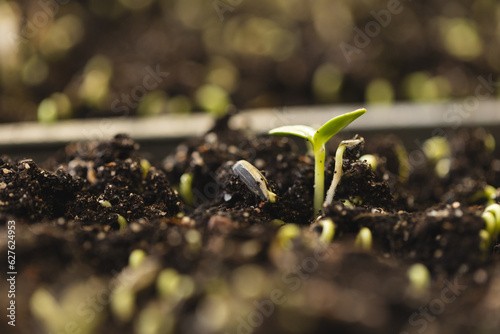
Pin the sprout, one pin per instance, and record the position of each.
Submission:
(122, 222)
(328, 230)
(489, 193)
(254, 180)
(318, 139)
(491, 217)
(364, 239)
(419, 277)
(286, 234)
(436, 148)
(485, 243)
(186, 188)
(105, 204)
(145, 166)
(136, 258)
(337, 174)
(369, 159)
(404, 163)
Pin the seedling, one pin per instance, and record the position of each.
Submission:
(488, 194)
(420, 279)
(364, 240)
(338, 172)
(254, 180)
(186, 188)
(327, 230)
(318, 139)
(491, 217)
(370, 159)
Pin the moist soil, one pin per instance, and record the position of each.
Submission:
(225, 261)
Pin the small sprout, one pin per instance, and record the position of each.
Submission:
(404, 163)
(489, 142)
(153, 320)
(419, 278)
(490, 221)
(370, 159)
(145, 166)
(328, 230)
(122, 222)
(485, 243)
(123, 303)
(436, 148)
(491, 217)
(136, 258)
(337, 174)
(186, 188)
(488, 194)
(364, 239)
(171, 284)
(318, 139)
(254, 180)
(105, 203)
(286, 234)
(442, 167)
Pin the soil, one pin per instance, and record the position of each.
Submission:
(231, 263)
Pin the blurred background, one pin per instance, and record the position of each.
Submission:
(63, 59)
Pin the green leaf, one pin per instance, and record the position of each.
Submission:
(303, 131)
(335, 125)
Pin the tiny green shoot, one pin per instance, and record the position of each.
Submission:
(338, 172)
(122, 222)
(328, 230)
(370, 159)
(488, 194)
(136, 257)
(145, 166)
(186, 188)
(491, 217)
(364, 239)
(104, 203)
(318, 139)
(286, 234)
(420, 279)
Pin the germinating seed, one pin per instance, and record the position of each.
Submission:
(253, 179)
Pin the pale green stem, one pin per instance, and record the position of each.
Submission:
(337, 174)
(319, 177)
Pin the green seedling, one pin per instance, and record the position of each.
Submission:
(186, 188)
(370, 159)
(122, 222)
(254, 180)
(364, 240)
(105, 204)
(286, 234)
(484, 243)
(436, 148)
(404, 163)
(420, 279)
(327, 230)
(488, 194)
(145, 166)
(318, 139)
(136, 258)
(491, 217)
(337, 174)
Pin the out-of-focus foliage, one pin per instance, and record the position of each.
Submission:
(76, 58)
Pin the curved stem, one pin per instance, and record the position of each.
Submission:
(319, 177)
(337, 174)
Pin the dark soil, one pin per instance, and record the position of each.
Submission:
(225, 263)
